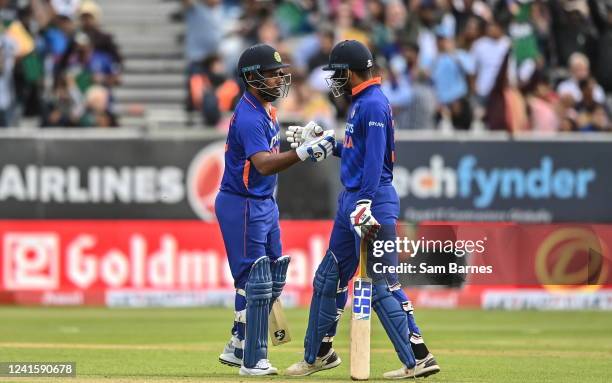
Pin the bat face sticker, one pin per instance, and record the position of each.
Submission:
(279, 335)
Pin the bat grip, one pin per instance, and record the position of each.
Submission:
(363, 258)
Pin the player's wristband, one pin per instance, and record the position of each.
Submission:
(337, 150)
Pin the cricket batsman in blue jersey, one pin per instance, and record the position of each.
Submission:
(246, 208)
(368, 208)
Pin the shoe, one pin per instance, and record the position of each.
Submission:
(330, 360)
(263, 367)
(423, 368)
(228, 357)
(426, 366)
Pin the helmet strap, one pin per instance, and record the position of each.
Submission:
(338, 84)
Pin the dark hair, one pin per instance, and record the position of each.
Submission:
(409, 44)
(326, 30)
(584, 83)
(363, 74)
(537, 78)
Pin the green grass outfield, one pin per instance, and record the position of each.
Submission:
(182, 345)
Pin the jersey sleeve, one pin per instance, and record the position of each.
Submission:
(253, 137)
(376, 118)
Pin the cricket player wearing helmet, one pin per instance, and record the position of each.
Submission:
(246, 208)
(368, 208)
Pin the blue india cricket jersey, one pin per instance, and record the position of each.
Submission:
(252, 129)
(368, 151)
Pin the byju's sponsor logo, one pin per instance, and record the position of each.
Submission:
(484, 186)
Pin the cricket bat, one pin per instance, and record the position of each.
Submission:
(360, 319)
(277, 325)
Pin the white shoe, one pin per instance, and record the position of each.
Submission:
(228, 357)
(263, 367)
(423, 368)
(301, 368)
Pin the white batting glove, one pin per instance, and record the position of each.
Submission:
(297, 135)
(318, 148)
(364, 223)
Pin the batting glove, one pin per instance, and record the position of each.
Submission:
(363, 221)
(297, 135)
(319, 148)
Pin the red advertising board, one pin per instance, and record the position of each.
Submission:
(138, 262)
(182, 263)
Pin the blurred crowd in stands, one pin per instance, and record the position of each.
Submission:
(57, 64)
(510, 65)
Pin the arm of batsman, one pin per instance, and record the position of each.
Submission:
(318, 148)
(297, 135)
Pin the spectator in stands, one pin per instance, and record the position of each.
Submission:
(97, 109)
(64, 106)
(409, 90)
(592, 115)
(466, 10)
(58, 36)
(89, 16)
(580, 72)
(471, 31)
(540, 34)
(572, 28)
(347, 25)
(600, 120)
(506, 109)
(67, 107)
(543, 105)
(541, 19)
(213, 93)
(394, 22)
(269, 33)
(296, 17)
(449, 72)
(592, 120)
(204, 31)
(29, 67)
(489, 52)
(325, 44)
(89, 66)
(253, 12)
(375, 21)
(526, 55)
(303, 103)
(396, 86)
(67, 8)
(422, 19)
(7, 63)
(8, 12)
(204, 28)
